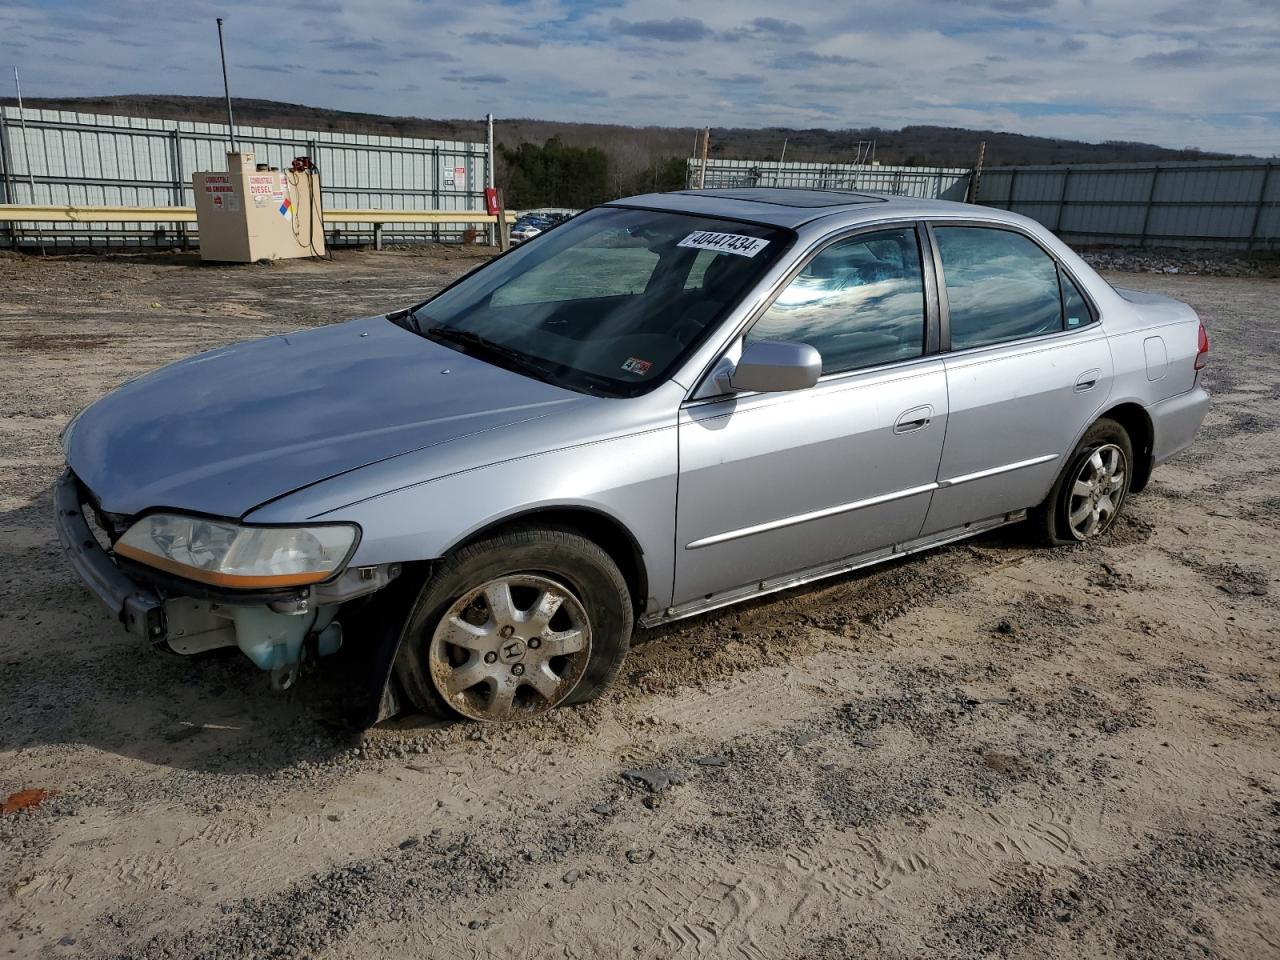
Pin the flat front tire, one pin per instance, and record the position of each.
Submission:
(1091, 490)
(513, 625)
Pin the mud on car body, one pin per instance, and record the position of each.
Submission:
(665, 405)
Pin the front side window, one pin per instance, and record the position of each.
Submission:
(1000, 286)
(858, 302)
(609, 302)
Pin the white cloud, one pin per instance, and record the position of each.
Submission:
(1175, 72)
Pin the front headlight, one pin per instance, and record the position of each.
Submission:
(227, 554)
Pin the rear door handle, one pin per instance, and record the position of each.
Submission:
(1087, 380)
(914, 419)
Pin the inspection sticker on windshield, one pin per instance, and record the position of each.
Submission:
(737, 243)
(637, 366)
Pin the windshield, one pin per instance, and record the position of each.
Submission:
(608, 302)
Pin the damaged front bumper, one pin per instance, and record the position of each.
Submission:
(271, 630)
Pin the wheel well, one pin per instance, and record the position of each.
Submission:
(602, 530)
(1137, 424)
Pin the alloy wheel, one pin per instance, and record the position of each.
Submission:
(1097, 492)
(510, 649)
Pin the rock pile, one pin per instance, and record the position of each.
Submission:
(1214, 263)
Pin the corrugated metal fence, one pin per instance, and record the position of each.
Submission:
(1226, 204)
(932, 183)
(92, 160)
(89, 159)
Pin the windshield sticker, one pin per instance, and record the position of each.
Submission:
(637, 366)
(736, 243)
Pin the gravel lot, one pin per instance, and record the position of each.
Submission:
(989, 750)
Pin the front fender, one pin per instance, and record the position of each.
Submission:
(630, 480)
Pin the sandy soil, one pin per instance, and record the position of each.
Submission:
(991, 750)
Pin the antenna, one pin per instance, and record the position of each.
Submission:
(226, 89)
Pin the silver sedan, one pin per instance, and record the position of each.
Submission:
(668, 404)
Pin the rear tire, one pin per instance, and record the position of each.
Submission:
(513, 625)
(1090, 491)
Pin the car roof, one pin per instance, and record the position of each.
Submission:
(793, 207)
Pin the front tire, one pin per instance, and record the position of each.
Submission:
(1090, 492)
(513, 625)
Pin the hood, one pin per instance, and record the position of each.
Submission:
(227, 430)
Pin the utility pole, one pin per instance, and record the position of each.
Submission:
(26, 151)
(782, 157)
(490, 181)
(702, 166)
(226, 90)
(975, 179)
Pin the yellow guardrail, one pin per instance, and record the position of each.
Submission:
(71, 213)
(411, 216)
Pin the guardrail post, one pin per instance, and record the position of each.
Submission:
(1146, 216)
(377, 236)
(1262, 201)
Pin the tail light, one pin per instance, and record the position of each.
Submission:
(1202, 348)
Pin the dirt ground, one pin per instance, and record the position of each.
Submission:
(989, 750)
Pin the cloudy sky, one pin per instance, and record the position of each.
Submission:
(1173, 72)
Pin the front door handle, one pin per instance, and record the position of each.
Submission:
(914, 419)
(1087, 380)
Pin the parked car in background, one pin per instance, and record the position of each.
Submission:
(533, 222)
(668, 404)
(527, 227)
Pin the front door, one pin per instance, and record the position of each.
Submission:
(1029, 369)
(776, 484)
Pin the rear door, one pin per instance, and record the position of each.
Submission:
(1028, 368)
(773, 484)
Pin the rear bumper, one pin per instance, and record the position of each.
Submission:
(140, 609)
(1175, 422)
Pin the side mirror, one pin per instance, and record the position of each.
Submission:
(774, 366)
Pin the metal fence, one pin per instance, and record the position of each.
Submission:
(94, 160)
(1225, 204)
(931, 183)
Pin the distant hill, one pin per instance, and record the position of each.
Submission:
(639, 147)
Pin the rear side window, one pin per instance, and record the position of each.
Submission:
(859, 303)
(1074, 306)
(1000, 286)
